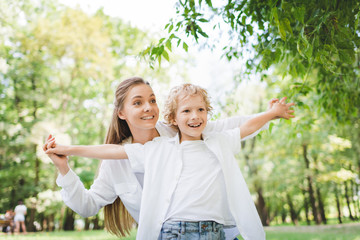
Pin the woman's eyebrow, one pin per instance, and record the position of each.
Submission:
(139, 96)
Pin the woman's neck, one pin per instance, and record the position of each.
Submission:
(142, 136)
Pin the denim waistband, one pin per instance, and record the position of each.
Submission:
(185, 226)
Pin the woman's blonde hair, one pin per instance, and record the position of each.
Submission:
(117, 219)
(182, 91)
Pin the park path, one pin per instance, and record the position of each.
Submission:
(312, 228)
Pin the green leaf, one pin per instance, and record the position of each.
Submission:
(286, 23)
(208, 2)
(185, 46)
(249, 28)
(203, 34)
(282, 31)
(168, 44)
(171, 28)
(299, 14)
(274, 15)
(165, 55)
(271, 125)
(203, 20)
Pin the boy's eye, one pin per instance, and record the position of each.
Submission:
(186, 111)
(201, 109)
(153, 101)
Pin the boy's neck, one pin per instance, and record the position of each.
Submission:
(144, 136)
(181, 139)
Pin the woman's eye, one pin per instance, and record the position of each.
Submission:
(137, 103)
(153, 101)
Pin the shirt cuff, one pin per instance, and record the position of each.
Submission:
(67, 180)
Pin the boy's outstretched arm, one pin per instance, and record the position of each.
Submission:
(279, 109)
(105, 151)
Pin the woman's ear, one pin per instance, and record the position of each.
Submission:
(121, 115)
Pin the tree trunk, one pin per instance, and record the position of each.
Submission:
(261, 207)
(293, 214)
(96, 223)
(87, 224)
(306, 206)
(321, 206)
(353, 201)
(348, 201)
(69, 220)
(338, 206)
(310, 186)
(283, 215)
(51, 223)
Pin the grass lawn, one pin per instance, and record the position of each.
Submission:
(349, 231)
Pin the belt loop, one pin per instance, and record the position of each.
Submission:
(182, 227)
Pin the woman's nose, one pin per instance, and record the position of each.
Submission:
(147, 107)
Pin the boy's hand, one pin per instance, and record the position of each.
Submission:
(60, 161)
(50, 143)
(281, 109)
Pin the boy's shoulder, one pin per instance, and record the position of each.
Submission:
(227, 134)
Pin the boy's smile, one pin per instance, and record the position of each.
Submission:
(191, 117)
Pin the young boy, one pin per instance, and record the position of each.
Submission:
(200, 188)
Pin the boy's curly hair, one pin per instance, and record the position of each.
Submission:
(183, 91)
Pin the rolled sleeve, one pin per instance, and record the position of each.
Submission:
(136, 156)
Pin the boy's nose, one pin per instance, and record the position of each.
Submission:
(194, 116)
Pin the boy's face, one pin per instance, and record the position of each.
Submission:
(191, 117)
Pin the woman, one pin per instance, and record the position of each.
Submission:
(117, 187)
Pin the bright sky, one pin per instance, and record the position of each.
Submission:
(208, 70)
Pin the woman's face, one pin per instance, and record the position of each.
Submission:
(140, 109)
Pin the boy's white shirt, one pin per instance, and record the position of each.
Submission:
(117, 179)
(165, 153)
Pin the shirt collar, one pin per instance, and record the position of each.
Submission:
(176, 138)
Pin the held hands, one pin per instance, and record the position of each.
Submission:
(60, 161)
(50, 147)
(281, 109)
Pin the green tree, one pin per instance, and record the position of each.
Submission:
(308, 38)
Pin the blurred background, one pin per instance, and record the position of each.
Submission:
(60, 62)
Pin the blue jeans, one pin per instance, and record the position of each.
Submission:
(206, 230)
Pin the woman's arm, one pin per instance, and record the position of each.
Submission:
(104, 151)
(81, 200)
(279, 110)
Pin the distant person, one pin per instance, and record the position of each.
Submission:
(9, 216)
(20, 212)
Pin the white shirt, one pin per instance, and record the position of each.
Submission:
(200, 192)
(20, 210)
(164, 153)
(117, 179)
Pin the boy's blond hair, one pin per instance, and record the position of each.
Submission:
(183, 91)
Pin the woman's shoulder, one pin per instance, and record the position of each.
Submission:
(165, 130)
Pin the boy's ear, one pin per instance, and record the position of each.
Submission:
(173, 122)
(121, 115)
